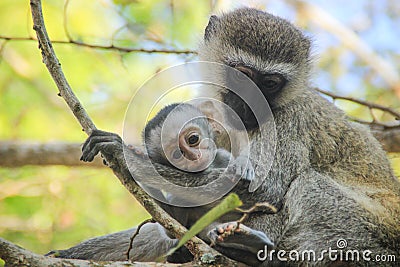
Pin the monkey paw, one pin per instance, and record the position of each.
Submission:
(242, 167)
(235, 235)
(108, 144)
(222, 231)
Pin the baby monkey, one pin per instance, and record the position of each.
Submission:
(181, 135)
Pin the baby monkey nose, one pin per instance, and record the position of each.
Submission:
(192, 154)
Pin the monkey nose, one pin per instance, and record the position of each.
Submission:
(193, 155)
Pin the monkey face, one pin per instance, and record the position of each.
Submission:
(271, 51)
(180, 135)
(194, 151)
(270, 84)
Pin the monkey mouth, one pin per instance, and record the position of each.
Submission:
(242, 110)
(197, 165)
(190, 163)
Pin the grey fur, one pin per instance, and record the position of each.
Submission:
(152, 241)
(330, 178)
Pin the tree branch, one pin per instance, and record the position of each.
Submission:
(370, 105)
(195, 245)
(54, 67)
(14, 255)
(105, 47)
(16, 154)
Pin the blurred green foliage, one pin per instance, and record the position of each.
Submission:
(44, 208)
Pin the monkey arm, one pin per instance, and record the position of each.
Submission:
(120, 157)
(111, 146)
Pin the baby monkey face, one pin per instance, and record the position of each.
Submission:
(192, 149)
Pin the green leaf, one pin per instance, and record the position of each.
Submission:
(228, 204)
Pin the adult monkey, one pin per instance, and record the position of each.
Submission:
(330, 178)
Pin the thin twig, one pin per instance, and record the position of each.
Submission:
(65, 23)
(385, 126)
(258, 207)
(151, 220)
(106, 47)
(370, 106)
(389, 110)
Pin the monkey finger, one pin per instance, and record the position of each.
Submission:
(89, 154)
(249, 175)
(94, 133)
(101, 136)
(239, 170)
(115, 145)
(252, 174)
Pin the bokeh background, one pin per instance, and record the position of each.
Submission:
(357, 54)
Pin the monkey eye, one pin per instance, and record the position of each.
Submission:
(273, 82)
(177, 154)
(193, 139)
(245, 70)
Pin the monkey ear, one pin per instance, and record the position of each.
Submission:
(211, 27)
(211, 111)
(214, 115)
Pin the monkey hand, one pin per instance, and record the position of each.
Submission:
(100, 141)
(242, 167)
(112, 149)
(239, 242)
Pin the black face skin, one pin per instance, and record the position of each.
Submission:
(270, 85)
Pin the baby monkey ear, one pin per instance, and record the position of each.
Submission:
(214, 115)
(211, 27)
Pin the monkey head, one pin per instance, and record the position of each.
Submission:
(180, 135)
(272, 52)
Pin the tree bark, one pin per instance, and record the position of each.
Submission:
(16, 154)
(14, 255)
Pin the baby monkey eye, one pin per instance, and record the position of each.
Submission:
(193, 139)
(177, 154)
